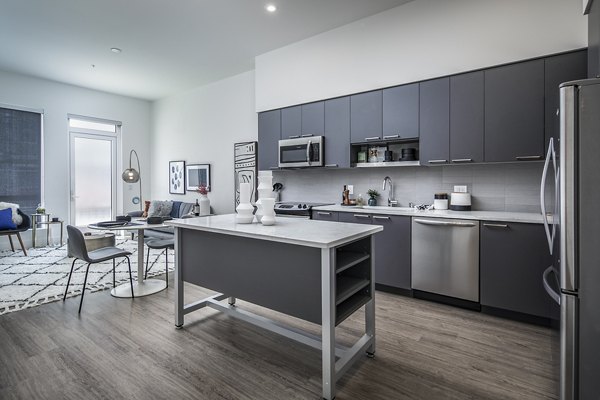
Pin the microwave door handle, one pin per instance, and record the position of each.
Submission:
(308, 151)
(543, 194)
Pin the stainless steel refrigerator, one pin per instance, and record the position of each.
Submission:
(573, 230)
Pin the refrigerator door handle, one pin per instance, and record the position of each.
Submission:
(545, 281)
(549, 156)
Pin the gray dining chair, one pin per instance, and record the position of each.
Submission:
(80, 252)
(160, 244)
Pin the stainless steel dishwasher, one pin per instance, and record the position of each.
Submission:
(445, 257)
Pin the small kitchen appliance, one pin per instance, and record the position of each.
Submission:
(301, 152)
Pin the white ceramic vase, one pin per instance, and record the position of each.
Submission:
(204, 204)
(245, 209)
(265, 190)
(268, 209)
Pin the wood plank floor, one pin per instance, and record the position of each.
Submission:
(129, 349)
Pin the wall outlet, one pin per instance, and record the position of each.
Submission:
(350, 189)
(460, 189)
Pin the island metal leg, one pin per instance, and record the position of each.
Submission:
(370, 306)
(178, 281)
(328, 322)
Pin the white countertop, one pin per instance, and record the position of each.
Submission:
(503, 216)
(302, 232)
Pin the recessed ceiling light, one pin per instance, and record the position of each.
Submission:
(271, 8)
(116, 50)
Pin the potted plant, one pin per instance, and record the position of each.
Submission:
(373, 195)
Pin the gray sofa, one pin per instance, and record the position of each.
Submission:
(179, 210)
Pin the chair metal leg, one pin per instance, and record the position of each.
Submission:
(167, 266)
(21, 241)
(147, 263)
(130, 276)
(69, 280)
(87, 269)
(114, 279)
(11, 243)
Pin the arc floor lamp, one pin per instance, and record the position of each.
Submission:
(131, 175)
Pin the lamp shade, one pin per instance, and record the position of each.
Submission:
(131, 175)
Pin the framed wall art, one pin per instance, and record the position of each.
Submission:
(177, 177)
(196, 175)
(245, 167)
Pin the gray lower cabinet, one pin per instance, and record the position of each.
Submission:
(325, 215)
(401, 112)
(513, 257)
(366, 116)
(466, 117)
(337, 132)
(514, 112)
(269, 133)
(392, 247)
(434, 117)
(291, 122)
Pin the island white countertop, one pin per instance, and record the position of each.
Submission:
(503, 216)
(302, 232)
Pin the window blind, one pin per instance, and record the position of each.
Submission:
(20, 158)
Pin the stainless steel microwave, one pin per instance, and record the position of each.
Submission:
(301, 152)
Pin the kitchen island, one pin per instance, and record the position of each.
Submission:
(318, 271)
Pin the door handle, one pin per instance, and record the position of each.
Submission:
(391, 136)
(323, 213)
(372, 138)
(308, 150)
(545, 281)
(504, 226)
(294, 136)
(380, 217)
(528, 158)
(331, 165)
(445, 223)
(437, 161)
(459, 160)
(307, 135)
(361, 216)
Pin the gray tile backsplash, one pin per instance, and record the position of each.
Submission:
(494, 187)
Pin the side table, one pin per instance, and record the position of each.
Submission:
(36, 220)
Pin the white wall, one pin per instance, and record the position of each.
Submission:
(419, 40)
(57, 100)
(201, 126)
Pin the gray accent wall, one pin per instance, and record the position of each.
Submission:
(494, 187)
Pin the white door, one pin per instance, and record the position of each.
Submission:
(93, 178)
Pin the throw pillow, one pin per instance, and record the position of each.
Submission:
(16, 218)
(146, 207)
(160, 208)
(6, 221)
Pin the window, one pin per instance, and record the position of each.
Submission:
(21, 158)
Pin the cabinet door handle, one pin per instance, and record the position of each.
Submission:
(331, 165)
(361, 216)
(323, 213)
(459, 160)
(391, 136)
(444, 223)
(380, 217)
(525, 158)
(307, 135)
(437, 161)
(372, 138)
(273, 167)
(294, 136)
(503, 226)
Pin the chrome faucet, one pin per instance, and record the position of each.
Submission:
(391, 203)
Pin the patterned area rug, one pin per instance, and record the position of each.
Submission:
(41, 277)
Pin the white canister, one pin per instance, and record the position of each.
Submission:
(440, 201)
(268, 209)
(245, 210)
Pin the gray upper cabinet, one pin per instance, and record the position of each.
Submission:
(559, 69)
(313, 119)
(291, 122)
(466, 117)
(401, 112)
(269, 133)
(513, 259)
(434, 121)
(366, 116)
(392, 247)
(514, 112)
(337, 132)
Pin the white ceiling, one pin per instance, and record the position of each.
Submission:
(168, 46)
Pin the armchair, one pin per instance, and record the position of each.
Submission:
(25, 225)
